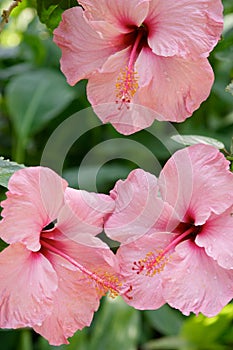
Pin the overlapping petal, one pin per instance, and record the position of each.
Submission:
(34, 199)
(83, 215)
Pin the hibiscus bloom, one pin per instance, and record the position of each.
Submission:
(183, 255)
(55, 270)
(150, 53)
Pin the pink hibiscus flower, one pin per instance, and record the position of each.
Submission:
(181, 251)
(55, 270)
(149, 53)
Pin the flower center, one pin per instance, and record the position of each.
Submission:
(155, 262)
(127, 80)
(104, 281)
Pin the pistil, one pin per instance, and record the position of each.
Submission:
(105, 282)
(127, 80)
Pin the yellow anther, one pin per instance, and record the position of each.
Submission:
(126, 86)
(151, 264)
(108, 284)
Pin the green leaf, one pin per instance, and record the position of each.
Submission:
(165, 320)
(116, 327)
(168, 343)
(229, 88)
(33, 99)
(9, 339)
(50, 11)
(204, 331)
(188, 140)
(7, 169)
(36, 97)
(228, 6)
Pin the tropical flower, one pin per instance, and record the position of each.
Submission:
(183, 255)
(55, 270)
(134, 53)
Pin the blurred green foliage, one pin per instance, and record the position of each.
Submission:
(7, 168)
(34, 100)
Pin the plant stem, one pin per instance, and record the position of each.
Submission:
(25, 340)
(19, 151)
(6, 13)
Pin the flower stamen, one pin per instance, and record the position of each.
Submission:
(151, 264)
(127, 80)
(154, 263)
(126, 87)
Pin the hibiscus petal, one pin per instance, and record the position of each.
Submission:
(122, 14)
(83, 215)
(138, 208)
(74, 304)
(34, 199)
(184, 28)
(146, 290)
(194, 282)
(181, 79)
(28, 283)
(216, 238)
(196, 182)
(83, 49)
